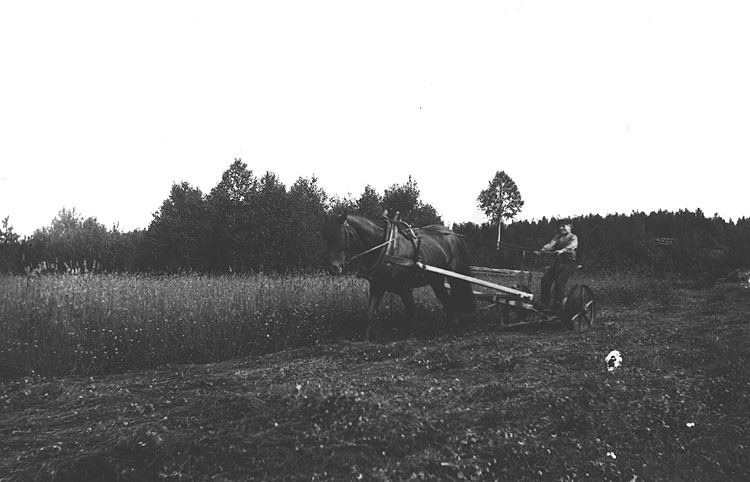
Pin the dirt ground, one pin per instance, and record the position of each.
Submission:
(536, 403)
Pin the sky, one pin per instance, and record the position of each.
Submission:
(589, 106)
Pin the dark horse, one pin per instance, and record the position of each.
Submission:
(388, 251)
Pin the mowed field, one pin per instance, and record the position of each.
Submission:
(266, 378)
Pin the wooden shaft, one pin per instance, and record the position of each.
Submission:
(475, 281)
(482, 269)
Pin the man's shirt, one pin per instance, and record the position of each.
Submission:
(567, 242)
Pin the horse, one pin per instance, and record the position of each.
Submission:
(388, 252)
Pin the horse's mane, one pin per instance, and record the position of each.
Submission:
(332, 221)
(379, 221)
(382, 223)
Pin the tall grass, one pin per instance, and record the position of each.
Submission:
(93, 324)
(106, 323)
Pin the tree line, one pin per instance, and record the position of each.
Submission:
(250, 223)
(661, 242)
(246, 223)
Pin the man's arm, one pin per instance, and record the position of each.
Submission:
(571, 246)
(549, 246)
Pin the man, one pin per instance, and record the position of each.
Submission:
(563, 245)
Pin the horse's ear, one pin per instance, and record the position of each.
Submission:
(342, 217)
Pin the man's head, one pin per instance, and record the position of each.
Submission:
(565, 226)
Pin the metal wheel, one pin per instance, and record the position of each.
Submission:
(579, 307)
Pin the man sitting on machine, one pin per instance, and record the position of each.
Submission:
(563, 245)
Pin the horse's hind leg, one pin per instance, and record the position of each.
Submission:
(376, 294)
(407, 296)
(438, 286)
(462, 297)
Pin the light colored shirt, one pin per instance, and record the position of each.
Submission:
(567, 242)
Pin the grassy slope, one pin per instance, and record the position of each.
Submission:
(485, 404)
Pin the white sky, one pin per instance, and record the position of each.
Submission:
(591, 107)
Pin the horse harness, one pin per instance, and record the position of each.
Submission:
(386, 258)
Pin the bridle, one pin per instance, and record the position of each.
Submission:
(347, 235)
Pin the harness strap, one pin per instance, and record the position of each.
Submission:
(367, 271)
(370, 250)
(386, 257)
(412, 236)
(399, 261)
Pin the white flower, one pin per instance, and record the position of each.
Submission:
(613, 360)
(611, 454)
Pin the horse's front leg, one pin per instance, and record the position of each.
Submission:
(376, 294)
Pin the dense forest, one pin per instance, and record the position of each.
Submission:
(661, 242)
(250, 223)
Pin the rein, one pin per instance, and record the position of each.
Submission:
(368, 251)
(349, 259)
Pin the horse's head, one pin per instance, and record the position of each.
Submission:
(336, 240)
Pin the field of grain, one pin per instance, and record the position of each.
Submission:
(96, 324)
(265, 378)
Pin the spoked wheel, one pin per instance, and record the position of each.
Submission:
(579, 307)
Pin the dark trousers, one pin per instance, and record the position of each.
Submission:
(558, 275)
